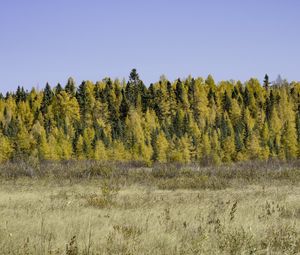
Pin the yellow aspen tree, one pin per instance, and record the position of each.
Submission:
(185, 148)
(23, 141)
(289, 141)
(39, 135)
(215, 148)
(10, 108)
(100, 151)
(228, 149)
(53, 152)
(25, 115)
(236, 112)
(64, 145)
(88, 137)
(206, 149)
(200, 104)
(265, 136)
(149, 124)
(253, 147)
(5, 149)
(80, 148)
(162, 148)
(135, 138)
(162, 101)
(118, 152)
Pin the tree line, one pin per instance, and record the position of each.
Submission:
(189, 120)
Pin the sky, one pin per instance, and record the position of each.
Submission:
(48, 41)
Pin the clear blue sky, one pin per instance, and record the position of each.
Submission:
(44, 41)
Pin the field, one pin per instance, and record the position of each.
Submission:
(92, 208)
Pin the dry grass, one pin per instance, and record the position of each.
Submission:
(138, 213)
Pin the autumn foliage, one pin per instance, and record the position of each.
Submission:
(190, 120)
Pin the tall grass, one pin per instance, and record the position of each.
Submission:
(90, 207)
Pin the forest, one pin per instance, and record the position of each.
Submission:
(188, 120)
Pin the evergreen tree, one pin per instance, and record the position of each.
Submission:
(70, 87)
(47, 98)
(20, 95)
(186, 120)
(58, 89)
(266, 82)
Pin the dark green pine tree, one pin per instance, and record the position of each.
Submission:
(81, 96)
(246, 97)
(113, 111)
(151, 96)
(58, 89)
(270, 105)
(226, 102)
(191, 91)
(266, 82)
(70, 88)
(186, 123)
(20, 94)
(179, 91)
(224, 128)
(124, 107)
(135, 88)
(238, 141)
(211, 96)
(47, 98)
(177, 124)
(154, 134)
(131, 87)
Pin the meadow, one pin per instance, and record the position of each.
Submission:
(86, 207)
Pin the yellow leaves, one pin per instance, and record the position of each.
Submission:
(248, 119)
(206, 147)
(25, 114)
(284, 109)
(67, 106)
(236, 111)
(100, 151)
(134, 128)
(10, 106)
(181, 121)
(79, 148)
(51, 151)
(118, 152)
(275, 124)
(228, 149)
(5, 149)
(23, 141)
(162, 148)
(88, 137)
(200, 104)
(181, 150)
(44, 147)
(254, 147)
(289, 141)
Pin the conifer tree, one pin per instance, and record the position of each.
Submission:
(70, 87)
(47, 97)
(266, 82)
(186, 120)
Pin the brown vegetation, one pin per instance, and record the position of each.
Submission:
(89, 207)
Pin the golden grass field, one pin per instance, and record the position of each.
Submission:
(51, 215)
